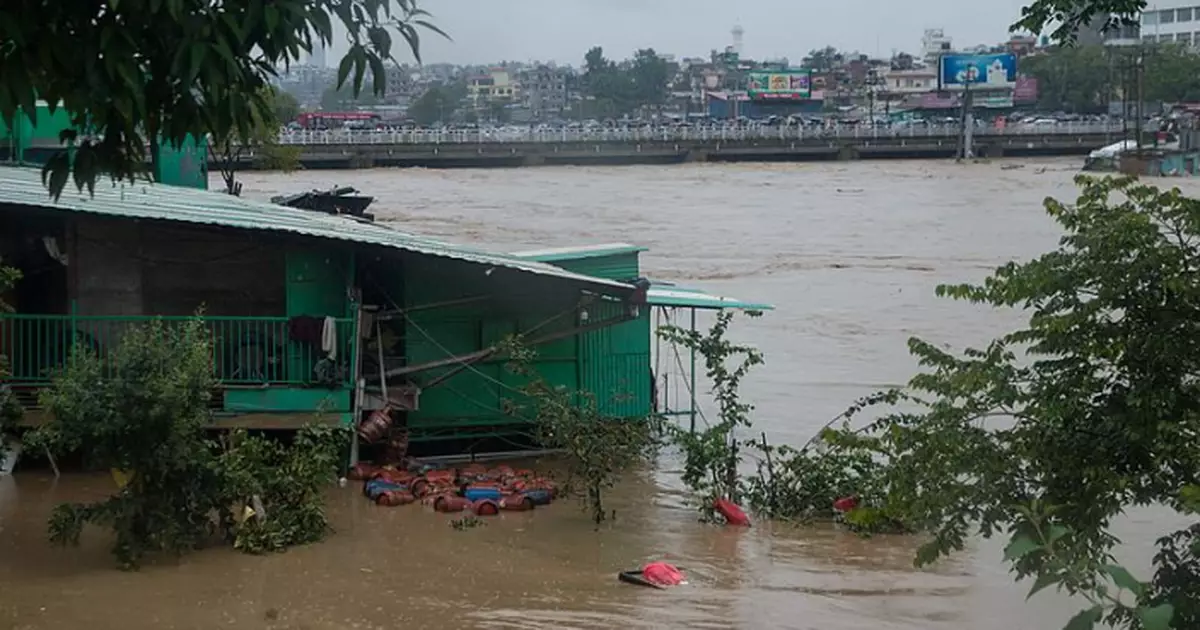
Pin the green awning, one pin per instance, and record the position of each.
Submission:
(673, 295)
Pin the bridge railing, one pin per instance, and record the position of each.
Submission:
(676, 134)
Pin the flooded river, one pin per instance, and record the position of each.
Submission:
(849, 253)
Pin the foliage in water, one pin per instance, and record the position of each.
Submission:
(10, 408)
(140, 410)
(712, 454)
(1048, 432)
(278, 487)
(469, 521)
(599, 449)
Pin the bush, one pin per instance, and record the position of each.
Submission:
(278, 490)
(599, 449)
(140, 410)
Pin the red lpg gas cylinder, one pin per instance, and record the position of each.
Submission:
(516, 503)
(731, 512)
(486, 507)
(451, 504)
(392, 498)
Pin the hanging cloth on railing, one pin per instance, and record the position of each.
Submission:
(329, 338)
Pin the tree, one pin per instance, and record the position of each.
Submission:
(262, 142)
(1071, 78)
(140, 410)
(649, 76)
(1172, 74)
(1050, 431)
(142, 69)
(437, 104)
(1068, 16)
(713, 455)
(284, 106)
(10, 408)
(600, 448)
(595, 63)
(823, 59)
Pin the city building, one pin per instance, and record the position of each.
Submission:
(1171, 21)
(911, 81)
(497, 86)
(545, 89)
(934, 44)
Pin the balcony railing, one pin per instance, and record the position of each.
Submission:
(247, 351)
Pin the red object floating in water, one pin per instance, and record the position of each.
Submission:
(392, 498)
(516, 503)
(731, 512)
(451, 504)
(845, 504)
(486, 507)
(662, 574)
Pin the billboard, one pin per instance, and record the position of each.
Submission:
(1026, 90)
(780, 85)
(997, 72)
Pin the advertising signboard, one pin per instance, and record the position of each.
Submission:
(994, 72)
(780, 85)
(1026, 90)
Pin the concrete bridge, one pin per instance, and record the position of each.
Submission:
(498, 148)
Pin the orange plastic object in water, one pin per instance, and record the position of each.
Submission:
(662, 574)
(731, 512)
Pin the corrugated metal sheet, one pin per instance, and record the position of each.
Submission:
(614, 364)
(667, 294)
(557, 254)
(23, 186)
(611, 261)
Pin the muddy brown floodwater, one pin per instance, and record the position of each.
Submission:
(849, 253)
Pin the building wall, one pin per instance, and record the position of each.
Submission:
(1172, 21)
(612, 363)
(129, 268)
(909, 81)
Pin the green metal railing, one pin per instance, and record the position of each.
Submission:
(246, 350)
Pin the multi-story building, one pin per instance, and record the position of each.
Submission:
(1171, 21)
(497, 86)
(934, 44)
(911, 81)
(545, 89)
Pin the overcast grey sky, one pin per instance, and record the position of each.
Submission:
(562, 30)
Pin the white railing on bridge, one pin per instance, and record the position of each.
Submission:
(677, 134)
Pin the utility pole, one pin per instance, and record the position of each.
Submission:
(967, 131)
(871, 81)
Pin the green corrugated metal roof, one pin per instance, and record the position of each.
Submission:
(558, 254)
(23, 186)
(667, 294)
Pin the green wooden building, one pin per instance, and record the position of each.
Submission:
(319, 316)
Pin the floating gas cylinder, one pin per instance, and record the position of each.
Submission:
(486, 507)
(446, 503)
